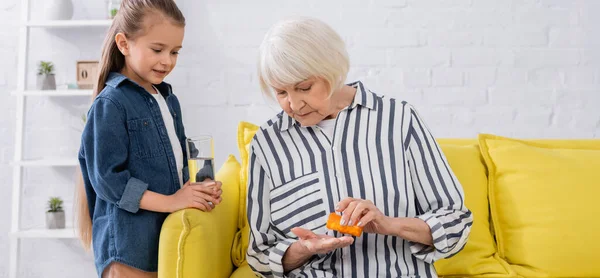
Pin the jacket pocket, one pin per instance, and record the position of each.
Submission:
(299, 203)
(143, 138)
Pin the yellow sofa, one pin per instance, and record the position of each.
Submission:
(526, 196)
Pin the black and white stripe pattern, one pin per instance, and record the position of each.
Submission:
(381, 151)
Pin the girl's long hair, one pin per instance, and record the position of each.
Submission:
(129, 21)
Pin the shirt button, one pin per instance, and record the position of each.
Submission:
(334, 148)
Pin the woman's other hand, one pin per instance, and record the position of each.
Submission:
(363, 213)
(320, 244)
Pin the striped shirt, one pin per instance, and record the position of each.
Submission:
(380, 151)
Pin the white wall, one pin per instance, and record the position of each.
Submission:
(524, 68)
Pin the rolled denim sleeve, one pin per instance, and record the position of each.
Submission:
(106, 143)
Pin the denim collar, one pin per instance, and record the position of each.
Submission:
(115, 79)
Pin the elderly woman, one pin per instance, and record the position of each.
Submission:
(341, 148)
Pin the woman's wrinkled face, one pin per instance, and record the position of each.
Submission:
(308, 101)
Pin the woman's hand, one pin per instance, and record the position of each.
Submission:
(309, 244)
(320, 244)
(363, 213)
(203, 196)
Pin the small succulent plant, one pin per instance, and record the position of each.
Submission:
(45, 68)
(55, 204)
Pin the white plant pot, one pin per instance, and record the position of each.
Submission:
(46, 82)
(58, 9)
(55, 220)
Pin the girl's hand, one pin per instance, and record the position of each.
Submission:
(363, 213)
(320, 244)
(197, 195)
(214, 186)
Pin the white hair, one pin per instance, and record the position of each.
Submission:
(296, 49)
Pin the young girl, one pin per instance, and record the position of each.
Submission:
(133, 145)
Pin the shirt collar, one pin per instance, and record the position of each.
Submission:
(115, 79)
(363, 97)
(285, 121)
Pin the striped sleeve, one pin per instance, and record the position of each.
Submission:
(439, 195)
(266, 248)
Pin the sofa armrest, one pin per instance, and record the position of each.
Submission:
(194, 243)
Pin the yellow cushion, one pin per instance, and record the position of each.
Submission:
(479, 257)
(246, 132)
(243, 272)
(191, 238)
(542, 200)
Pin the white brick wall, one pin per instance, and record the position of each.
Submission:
(525, 68)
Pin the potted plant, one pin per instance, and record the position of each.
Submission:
(113, 8)
(55, 216)
(45, 76)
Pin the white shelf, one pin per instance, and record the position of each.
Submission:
(68, 23)
(53, 93)
(68, 232)
(48, 162)
(26, 24)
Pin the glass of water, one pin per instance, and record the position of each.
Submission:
(200, 156)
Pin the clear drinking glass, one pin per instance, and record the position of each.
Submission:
(200, 156)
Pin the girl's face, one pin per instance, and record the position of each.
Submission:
(308, 102)
(152, 54)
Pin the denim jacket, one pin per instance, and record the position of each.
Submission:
(125, 150)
